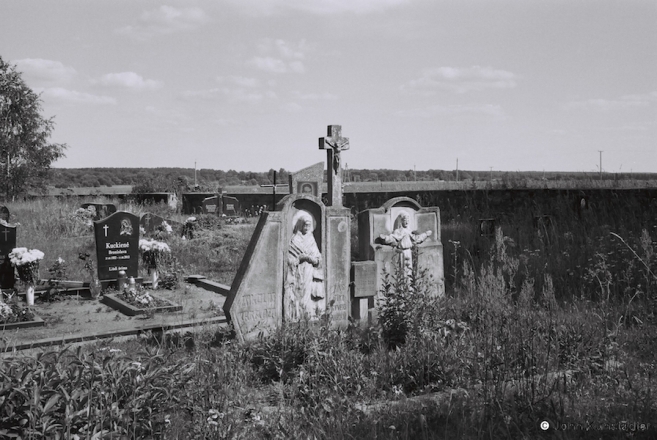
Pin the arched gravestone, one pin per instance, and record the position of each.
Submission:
(117, 245)
(384, 255)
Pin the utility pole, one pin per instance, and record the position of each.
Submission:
(414, 173)
(195, 184)
(457, 169)
(600, 164)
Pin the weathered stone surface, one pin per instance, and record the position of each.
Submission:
(117, 245)
(308, 180)
(254, 304)
(338, 263)
(373, 223)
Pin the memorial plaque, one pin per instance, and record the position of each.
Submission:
(117, 245)
(7, 244)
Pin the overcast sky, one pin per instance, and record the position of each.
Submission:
(252, 84)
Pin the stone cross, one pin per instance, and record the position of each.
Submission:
(334, 143)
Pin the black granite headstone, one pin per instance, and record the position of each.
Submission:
(117, 245)
(102, 209)
(231, 206)
(7, 244)
(150, 222)
(211, 205)
(4, 213)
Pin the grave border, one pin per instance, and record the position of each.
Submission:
(128, 309)
(36, 322)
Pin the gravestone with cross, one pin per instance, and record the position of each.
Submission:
(255, 304)
(334, 144)
(7, 244)
(117, 245)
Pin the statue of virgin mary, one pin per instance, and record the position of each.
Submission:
(304, 284)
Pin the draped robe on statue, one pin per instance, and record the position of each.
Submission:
(304, 289)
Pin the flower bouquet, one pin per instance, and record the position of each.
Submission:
(11, 313)
(26, 263)
(153, 252)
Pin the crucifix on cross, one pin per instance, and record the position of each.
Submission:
(334, 143)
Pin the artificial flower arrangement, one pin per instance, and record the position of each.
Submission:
(136, 296)
(26, 263)
(189, 227)
(153, 251)
(10, 313)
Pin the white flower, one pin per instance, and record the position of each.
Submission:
(5, 311)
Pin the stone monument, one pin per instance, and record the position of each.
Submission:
(297, 264)
(388, 237)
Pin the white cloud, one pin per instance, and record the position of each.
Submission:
(460, 80)
(269, 64)
(166, 20)
(231, 93)
(130, 80)
(320, 7)
(280, 56)
(241, 81)
(316, 96)
(292, 107)
(45, 70)
(624, 102)
(489, 110)
(61, 94)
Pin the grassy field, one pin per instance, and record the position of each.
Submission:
(509, 347)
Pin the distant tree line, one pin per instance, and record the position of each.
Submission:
(183, 179)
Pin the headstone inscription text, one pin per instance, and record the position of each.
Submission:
(117, 245)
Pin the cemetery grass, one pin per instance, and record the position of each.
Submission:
(502, 352)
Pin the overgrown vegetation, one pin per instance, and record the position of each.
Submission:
(505, 350)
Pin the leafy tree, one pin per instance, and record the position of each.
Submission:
(25, 152)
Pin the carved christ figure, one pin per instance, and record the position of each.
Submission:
(403, 240)
(304, 284)
(338, 145)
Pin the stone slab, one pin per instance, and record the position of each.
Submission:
(254, 304)
(213, 286)
(364, 279)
